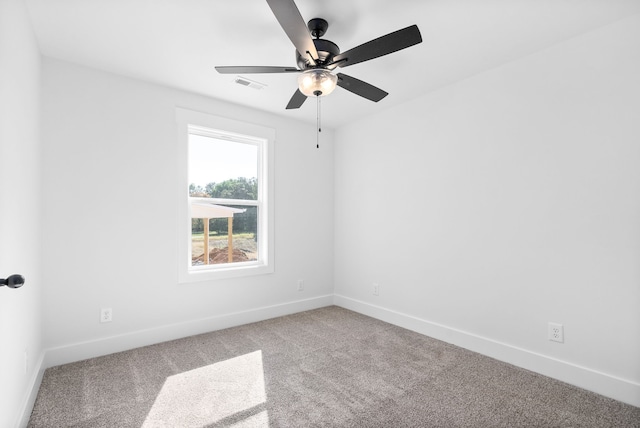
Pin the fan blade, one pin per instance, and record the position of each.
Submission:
(381, 46)
(361, 88)
(296, 100)
(254, 69)
(293, 24)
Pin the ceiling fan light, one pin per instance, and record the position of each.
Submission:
(317, 82)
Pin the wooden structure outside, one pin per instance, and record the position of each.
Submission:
(206, 211)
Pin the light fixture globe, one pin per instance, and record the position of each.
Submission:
(317, 82)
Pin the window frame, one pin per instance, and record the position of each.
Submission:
(209, 125)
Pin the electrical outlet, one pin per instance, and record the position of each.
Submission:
(556, 332)
(300, 284)
(376, 289)
(106, 315)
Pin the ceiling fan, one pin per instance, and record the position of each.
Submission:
(317, 58)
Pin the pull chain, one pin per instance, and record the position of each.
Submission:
(318, 122)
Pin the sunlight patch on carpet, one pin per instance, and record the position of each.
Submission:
(230, 391)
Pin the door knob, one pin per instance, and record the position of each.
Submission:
(13, 281)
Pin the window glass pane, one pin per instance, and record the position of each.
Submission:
(243, 247)
(222, 169)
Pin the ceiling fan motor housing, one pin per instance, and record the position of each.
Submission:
(326, 51)
(326, 48)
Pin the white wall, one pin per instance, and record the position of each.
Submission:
(508, 200)
(110, 233)
(20, 193)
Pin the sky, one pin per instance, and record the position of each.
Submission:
(214, 160)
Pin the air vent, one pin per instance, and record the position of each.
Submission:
(249, 83)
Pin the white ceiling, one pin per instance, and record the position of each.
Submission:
(178, 42)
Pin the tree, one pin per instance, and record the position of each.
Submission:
(197, 191)
(235, 188)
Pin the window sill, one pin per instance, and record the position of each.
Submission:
(236, 271)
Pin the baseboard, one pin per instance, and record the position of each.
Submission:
(583, 377)
(109, 345)
(32, 393)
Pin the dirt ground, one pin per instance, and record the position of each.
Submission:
(244, 249)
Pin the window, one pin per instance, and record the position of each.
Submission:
(226, 215)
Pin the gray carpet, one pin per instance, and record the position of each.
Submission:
(328, 367)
